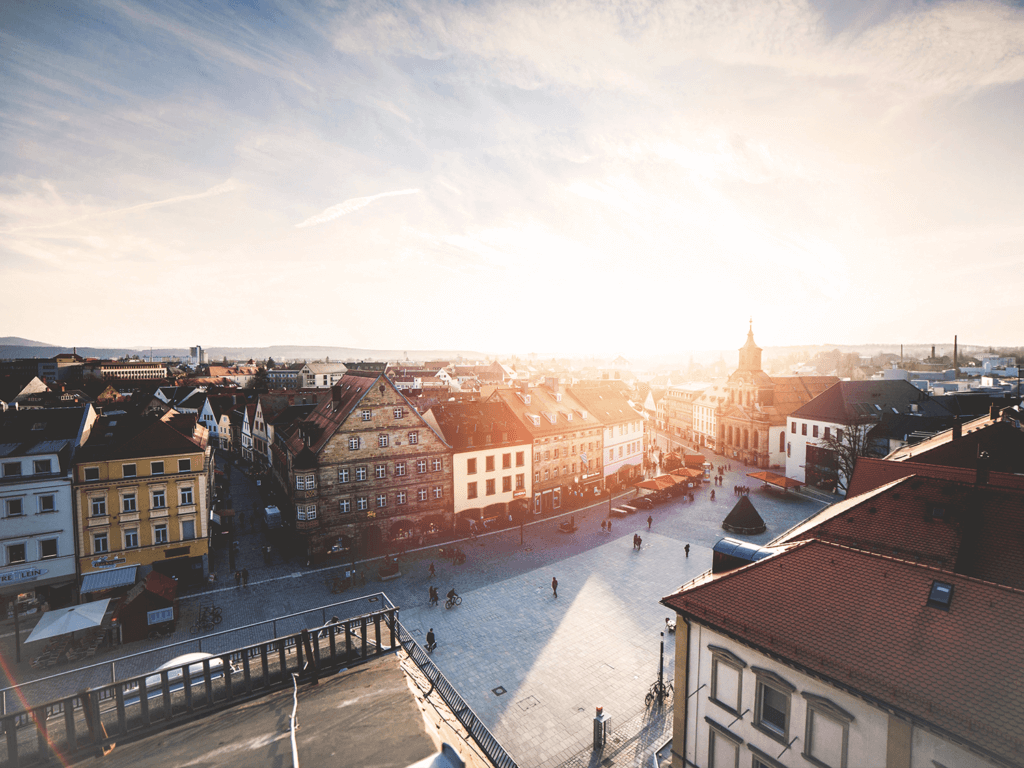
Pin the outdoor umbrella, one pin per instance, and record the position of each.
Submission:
(67, 620)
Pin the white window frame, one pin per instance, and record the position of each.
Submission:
(421, 494)
(128, 534)
(399, 412)
(400, 469)
(382, 500)
(353, 443)
(184, 465)
(156, 467)
(366, 414)
(438, 492)
(125, 473)
(380, 471)
(818, 706)
(345, 506)
(383, 440)
(161, 502)
(129, 502)
(361, 474)
(87, 471)
(96, 537)
(723, 657)
(436, 465)
(768, 680)
(421, 466)
(97, 502)
(56, 553)
(400, 497)
(344, 473)
(414, 438)
(37, 463)
(362, 503)
(185, 496)
(158, 529)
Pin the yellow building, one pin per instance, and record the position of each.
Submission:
(142, 491)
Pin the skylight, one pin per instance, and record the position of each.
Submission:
(940, 595)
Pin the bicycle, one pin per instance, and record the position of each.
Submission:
(201, 625)
(211, 613)
(161, 630)
(659, 691)
(451, 602)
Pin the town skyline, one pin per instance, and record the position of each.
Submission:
(588, 177)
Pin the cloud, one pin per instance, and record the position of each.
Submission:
(349, 206)
(228, 186)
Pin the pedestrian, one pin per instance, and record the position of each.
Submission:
(649, 521)
(639, 542)
(609, 526)
(603, 526)
(245, 577)
(431, 570)
(712, 494)
(554, 586)
(686, 549)
(238, 578)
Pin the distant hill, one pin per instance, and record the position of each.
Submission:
(17, 341)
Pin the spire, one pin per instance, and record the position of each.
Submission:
(750, 353)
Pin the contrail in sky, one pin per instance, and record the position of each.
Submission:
(353, 204)
(220, 189)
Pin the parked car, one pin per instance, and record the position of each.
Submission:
(619, 512)
(629, 508)
(644, 502)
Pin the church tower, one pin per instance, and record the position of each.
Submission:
(750, 353)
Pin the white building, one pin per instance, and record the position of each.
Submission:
(623, 429)
(37, 448)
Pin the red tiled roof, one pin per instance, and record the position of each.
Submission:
(325, 419)
(862, 621)
(869, 474)
(1003, 442)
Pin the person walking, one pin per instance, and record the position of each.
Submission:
(245, 577)
(649, 521)
(431, 570)
(238, 578)
(639, 543)
(554, 586)
(686, 549)
(431, 644)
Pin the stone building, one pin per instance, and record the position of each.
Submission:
(366, 473)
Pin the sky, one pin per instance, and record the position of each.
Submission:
(574, 176)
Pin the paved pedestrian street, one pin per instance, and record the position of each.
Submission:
(533, 667)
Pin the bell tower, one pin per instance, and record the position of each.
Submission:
(750, 353)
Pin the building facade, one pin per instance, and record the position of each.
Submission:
(622, 444)
(366, 473)
(142, 496)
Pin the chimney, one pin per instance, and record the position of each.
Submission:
(982, 475)
(335, 398)
(993, 412)
(958, 429)
(933, 351)
(956, 367)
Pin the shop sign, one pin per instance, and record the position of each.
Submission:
(215, 517)
(159, 616)
(519, 494)
(108, 562)
(24, 574)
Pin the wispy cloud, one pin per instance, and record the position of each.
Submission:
(349, 206)
(228, 186)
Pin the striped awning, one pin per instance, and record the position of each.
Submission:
(116, 577)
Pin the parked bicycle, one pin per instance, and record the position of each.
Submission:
(161, 630)
(211, 613)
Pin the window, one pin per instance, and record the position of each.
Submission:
(160, 534)
(520, 459)
(131, 538)
(490, 487)
(366, 415)
(127, 470)
(353, 443)
(726, 679)
(723, 747)
(471, 490)
(782, 441)
(304, 482)
(620, 451)
(792, 427)
(470, 466)
(128, 502)
(828, 431)
(99, 543)
(771, 704)
(380, 471)
(611, 454)
(536, 477)
(12, 469)
(400, 468)
(184, 465)
(345, 506)
(362, 503)
(401, 497)
(360, 473)
(421, 494)
(803, 429)
(827, 732)
(343, 475)
(159, 498)
(92, 473)
(99, 506)
(520, 481)
(399, 412)
(47, 503)
(186, 496)
(814, 431)
(156, 468)
(438, 492)
(489, 463)
(188, 529)
(47, 548)
(15, 553)
(506, 483)
(435, 465)
(41, 466)
(839, 435)
(414, 438)
(506, 461)
(382, 441)
(382, 500)
(421, 466)
(556, 453)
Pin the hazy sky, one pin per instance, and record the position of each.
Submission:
(569, 176)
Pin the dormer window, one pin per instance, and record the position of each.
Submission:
(940, 595)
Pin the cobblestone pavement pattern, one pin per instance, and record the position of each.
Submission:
(532, 667)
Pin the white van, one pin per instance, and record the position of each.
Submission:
(272, 518)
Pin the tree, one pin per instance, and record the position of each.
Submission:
(837, 452)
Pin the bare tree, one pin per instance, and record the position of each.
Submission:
(837, 452)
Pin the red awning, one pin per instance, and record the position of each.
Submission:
(773, 479)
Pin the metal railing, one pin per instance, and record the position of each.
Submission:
(480, 733)
(96, 717)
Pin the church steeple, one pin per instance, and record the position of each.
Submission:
(750, 353)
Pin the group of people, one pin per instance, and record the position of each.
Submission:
(242, 578)
(606, 526)
(637, 541)
(741, 490)
(434, 598)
